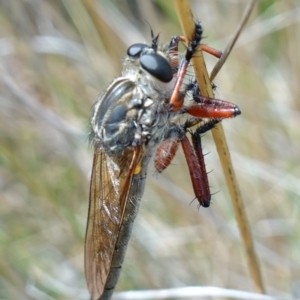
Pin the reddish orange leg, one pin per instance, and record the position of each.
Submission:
(173, 46)
(211, 51)
(167, 149)
(199, 180)
(214, 109)
(209, 107)
(194, 157)
(204, 108)
(173, 50)
(196, 140)
(195, 161)
(176, 99)
(165, 153)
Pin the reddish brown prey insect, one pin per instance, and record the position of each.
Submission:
(140, 114)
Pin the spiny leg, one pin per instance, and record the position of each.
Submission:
(200, 186)
(176, 100)
(209, 107)
(167, 149)
(165, 153)
(193, 155)
(196, 164)
(173, 46)
(212, 51)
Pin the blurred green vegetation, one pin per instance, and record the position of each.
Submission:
(54, 64)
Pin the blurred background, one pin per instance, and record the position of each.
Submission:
(55, 59)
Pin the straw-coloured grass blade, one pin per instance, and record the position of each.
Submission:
(187, 23)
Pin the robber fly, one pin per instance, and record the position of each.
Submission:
(138, 115)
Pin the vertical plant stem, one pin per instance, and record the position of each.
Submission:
(187, 24)
(105, 33)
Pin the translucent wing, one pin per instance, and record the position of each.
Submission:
(108, 192)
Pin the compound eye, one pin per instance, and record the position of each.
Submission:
(135, 50)
(157, 66)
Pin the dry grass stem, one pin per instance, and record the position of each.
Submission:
(187, 23)
(230, 46)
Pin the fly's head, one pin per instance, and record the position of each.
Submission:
(149, 62)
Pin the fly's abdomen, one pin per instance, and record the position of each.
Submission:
(134, 198)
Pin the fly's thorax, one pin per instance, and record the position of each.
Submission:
(134, 109)
(125, 113)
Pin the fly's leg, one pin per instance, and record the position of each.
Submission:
(193, 155)
(167, 149)
(197, 145)
(213, 108)
(165, 153)
(199, 180)
(179, 38)
(212, 51)
(209, 107)
(176, 100)
(195, 161)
